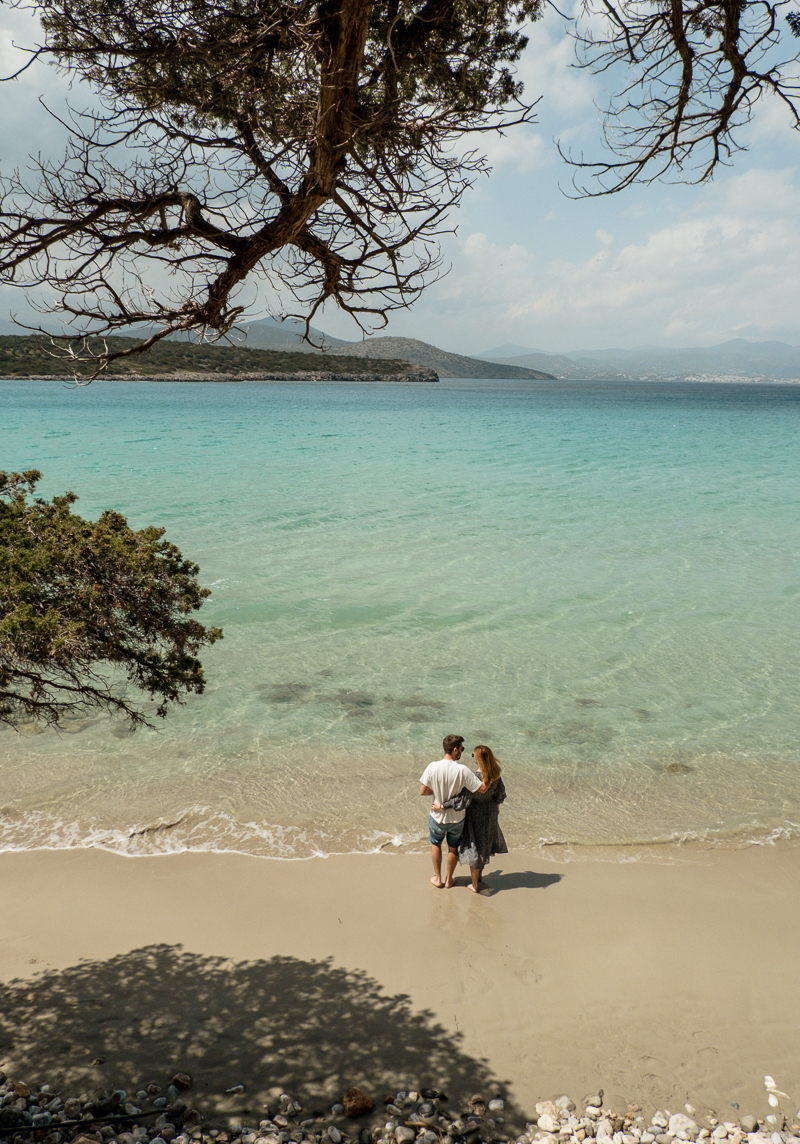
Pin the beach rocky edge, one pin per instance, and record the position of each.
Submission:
(412, 374)
(163, 1114)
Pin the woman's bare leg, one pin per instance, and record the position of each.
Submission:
(476, 873)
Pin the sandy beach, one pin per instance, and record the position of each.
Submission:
(666, 979)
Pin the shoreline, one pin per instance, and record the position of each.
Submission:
(662, 983)
(421, 374)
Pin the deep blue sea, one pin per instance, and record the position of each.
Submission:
(599, 580)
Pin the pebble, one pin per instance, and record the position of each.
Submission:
(680, 1122)
(411, 1116)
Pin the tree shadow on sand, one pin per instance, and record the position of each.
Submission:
(307, 1027)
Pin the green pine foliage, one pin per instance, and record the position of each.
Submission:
(93, 615)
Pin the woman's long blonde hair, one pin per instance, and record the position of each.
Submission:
(488, 765)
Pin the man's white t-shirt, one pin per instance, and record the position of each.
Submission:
(447, 778)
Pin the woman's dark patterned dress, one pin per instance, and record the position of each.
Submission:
(482, 835)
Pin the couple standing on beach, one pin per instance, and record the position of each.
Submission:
(465, 811)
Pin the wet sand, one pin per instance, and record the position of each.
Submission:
(666, 979)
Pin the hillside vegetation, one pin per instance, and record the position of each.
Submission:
(445, 364)
(34, 356)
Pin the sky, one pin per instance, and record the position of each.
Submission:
(668, 264)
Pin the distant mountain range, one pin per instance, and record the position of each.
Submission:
(738, 359)
(288, 335)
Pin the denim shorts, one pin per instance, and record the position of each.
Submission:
(437, 831)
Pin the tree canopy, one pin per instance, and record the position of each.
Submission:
(93, 616)
(318, 145)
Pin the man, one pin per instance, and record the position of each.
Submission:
(443, 780)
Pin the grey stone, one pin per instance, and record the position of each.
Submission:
(748, 1123)
(334, 1133)
(404, 1135)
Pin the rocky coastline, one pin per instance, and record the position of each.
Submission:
(420, 374)
(163, 1114)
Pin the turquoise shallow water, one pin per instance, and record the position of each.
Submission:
(599, 580)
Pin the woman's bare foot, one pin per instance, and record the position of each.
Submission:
(437, 882)
(475, 889)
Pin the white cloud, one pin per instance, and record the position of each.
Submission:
(521, 150)
(727, 266)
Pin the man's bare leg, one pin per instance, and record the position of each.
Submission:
(452, 859)
(436, 858)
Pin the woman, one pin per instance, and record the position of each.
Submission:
(482, 836)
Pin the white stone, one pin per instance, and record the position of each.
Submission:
(564, 1103)
(547, 1108)
(335, 1134)
(680, 1122)
(660, 1119)
(548, 1122)
(647, 1137)
(592, 1110)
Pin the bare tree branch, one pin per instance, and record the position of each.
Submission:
(308, 144)
(690, 74)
